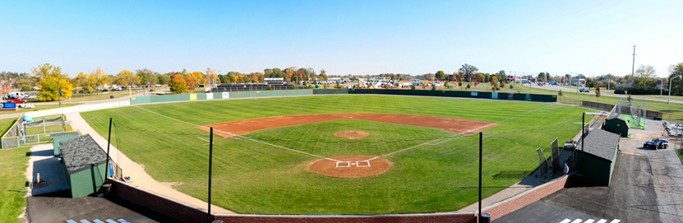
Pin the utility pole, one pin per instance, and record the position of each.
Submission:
(633, 65)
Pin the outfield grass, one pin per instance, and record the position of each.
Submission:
(13, 163)
(251, 177)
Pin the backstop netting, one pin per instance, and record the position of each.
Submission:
(635, 112)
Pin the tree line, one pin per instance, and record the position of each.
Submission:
(52, 83)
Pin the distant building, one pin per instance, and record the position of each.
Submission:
(577, 81)
(511, 79)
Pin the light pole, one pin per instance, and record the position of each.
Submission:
(669, 99)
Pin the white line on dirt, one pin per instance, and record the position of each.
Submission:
(240, 136)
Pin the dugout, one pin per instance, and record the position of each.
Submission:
(617, 126)
(596, 162)
(84, 164)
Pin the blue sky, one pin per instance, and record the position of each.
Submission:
(342, 37)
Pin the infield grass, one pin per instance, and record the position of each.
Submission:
(256, 175)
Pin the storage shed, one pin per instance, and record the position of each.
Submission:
(61, 137)
(597, 160)
(84, 163)
(617, 126)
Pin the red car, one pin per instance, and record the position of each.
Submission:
(17, 100)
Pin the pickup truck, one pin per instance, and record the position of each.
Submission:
(656, 143)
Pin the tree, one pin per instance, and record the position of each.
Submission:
(646, 77)
(468, 70)
(289, 74)
(178, 84)
(646, 71)
(597, 92)
(101, 78)
(256, 77)
(502, 76)
(676, 78)
(542, 77)
(301, 75)
(494, 83)
(147, 77)
(127, 78)
(85, 82)
(323, 75)
(164, 79)
(194, 79)
(479, 77)
(440, 75)
(53, 83)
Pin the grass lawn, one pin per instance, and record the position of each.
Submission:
(253, 177)
(100, 96)
(13, 163)
(38, 107)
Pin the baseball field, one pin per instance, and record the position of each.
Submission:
(349, 154)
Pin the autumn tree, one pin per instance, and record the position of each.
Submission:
(178, 84)
(86, 83)
(289, 74)
(53, 83)
(194, 79)
(494, 83)
(101, 78)
(301, 75)
(127, 78)
(256, 77)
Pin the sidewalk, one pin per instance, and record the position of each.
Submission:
(140, 178)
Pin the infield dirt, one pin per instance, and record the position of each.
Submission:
(243, 127)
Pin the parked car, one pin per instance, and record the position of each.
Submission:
(570, 144)
(17, 100)
(656, 143)
(584, 90)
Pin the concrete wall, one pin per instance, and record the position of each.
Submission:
(519, 201)
(185, 213)
(407, 218)
(87, 181)
(79, 108)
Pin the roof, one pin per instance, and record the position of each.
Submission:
(601, 143)
(81, 152)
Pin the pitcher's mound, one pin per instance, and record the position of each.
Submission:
(352, 134)
(350, 166)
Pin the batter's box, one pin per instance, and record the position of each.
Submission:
(343, 164)
(364, 163)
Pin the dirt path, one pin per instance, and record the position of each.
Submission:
(140, 178)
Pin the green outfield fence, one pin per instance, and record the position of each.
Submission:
(287, 93)
(462, 94)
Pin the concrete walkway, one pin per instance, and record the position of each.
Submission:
(140, 178)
